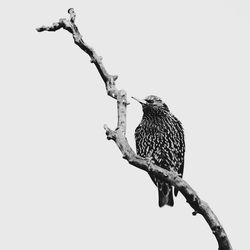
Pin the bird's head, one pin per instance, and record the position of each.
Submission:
(152, 103)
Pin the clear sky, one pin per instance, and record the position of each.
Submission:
(62, 184)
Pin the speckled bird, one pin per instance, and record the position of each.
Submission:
(160, 138)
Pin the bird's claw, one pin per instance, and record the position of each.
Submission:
(149, 160)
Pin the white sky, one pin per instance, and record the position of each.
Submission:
(62, 184)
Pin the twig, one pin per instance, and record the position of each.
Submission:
(70, 26)
(119, 135)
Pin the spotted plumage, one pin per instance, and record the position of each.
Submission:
(160, 138)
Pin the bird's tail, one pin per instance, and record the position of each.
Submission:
(165, 192)
(165, 195)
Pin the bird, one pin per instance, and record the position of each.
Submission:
(160, 138)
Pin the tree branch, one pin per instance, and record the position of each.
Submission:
(119, 135)
(70, 26)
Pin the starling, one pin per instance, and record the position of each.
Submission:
(160, 138)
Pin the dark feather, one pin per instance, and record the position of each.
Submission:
(160, 137)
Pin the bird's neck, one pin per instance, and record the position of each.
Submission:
(155, 119)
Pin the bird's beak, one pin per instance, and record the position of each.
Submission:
(139, 100)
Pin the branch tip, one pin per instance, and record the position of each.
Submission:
(115, 77)
(72, 15)
(111, 135)
(105, 126)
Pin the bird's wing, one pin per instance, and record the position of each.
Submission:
(181, 147)
(177, 138)
(138, 139)
(173, 146)
(169, 145)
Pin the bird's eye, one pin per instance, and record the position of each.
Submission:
(149, 101)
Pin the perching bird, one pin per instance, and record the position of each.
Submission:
(160, 138)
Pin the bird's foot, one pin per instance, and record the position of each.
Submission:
(149, 160)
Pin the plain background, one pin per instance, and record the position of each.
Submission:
(62, 184)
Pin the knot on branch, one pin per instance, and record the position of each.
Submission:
(110, 85)
(111, 135)
(115, 77)
(96, 59)
(194, 201)
(194, 213)
(72, 15)
(122, 97)
(216, 229)
(125, 156)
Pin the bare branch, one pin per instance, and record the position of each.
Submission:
(119, 135)
(70, 26)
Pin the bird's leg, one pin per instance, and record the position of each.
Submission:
(149, 160)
